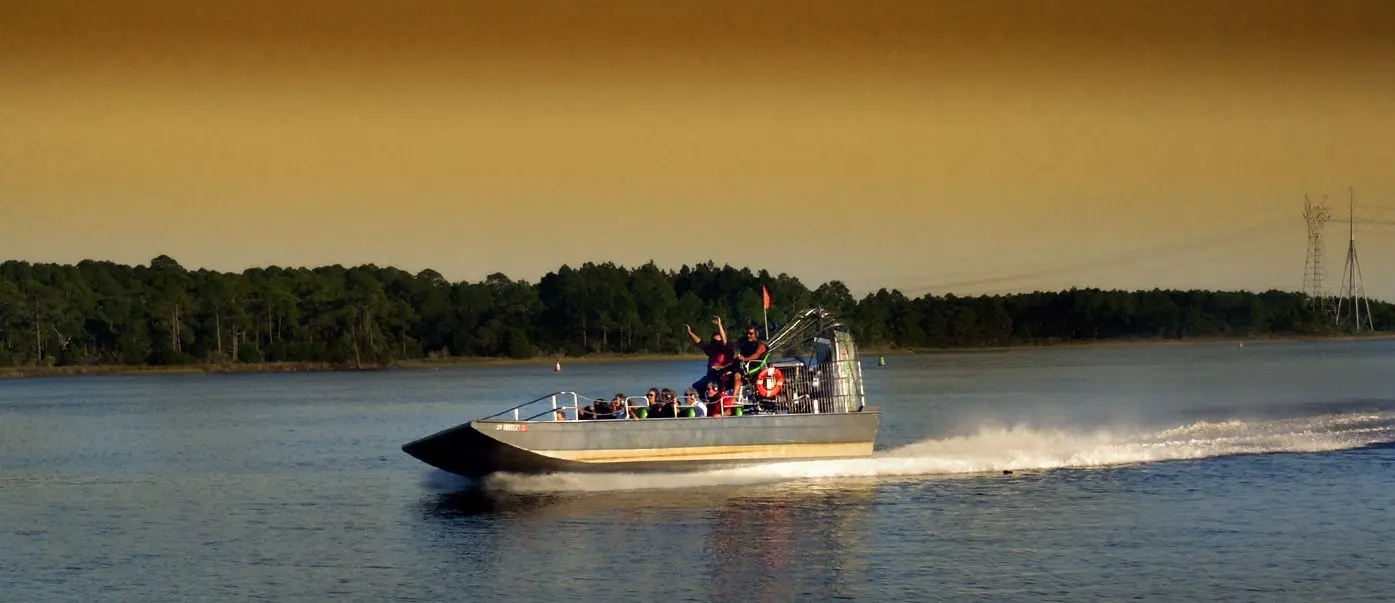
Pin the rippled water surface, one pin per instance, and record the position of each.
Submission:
(1206, 472)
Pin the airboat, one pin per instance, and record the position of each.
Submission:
(804, 401)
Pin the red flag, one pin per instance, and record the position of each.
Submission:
(764, 297)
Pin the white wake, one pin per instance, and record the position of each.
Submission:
(1015, 449)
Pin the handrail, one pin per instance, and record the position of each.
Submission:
(575, 406)
(631, 403)
(552, 397)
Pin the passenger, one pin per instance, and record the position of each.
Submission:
(719, 357)
(651, 401)
(693, 402)
(600, 409)
(620, 407)
(651, 398)
(673, 400)
(718, 402)
(750, 349)
(667, 407)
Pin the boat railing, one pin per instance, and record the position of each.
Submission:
(566, 406)
(555, 402)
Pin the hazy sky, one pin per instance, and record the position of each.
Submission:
(925, 145)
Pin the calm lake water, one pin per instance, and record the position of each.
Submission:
(1200, 472)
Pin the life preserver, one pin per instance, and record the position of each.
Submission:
(769, 382)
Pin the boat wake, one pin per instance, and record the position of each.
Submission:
(1014, 449)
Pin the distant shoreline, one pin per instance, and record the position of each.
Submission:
(19, 372)
(90, 370)
(1137, 343)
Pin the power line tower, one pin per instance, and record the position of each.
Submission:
(1351, 298)
(1316, 215)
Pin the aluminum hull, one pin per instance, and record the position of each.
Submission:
(479, 448)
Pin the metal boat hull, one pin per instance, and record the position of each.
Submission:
(479, 448)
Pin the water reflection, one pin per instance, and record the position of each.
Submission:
(772, 542)
(793, 543)
(477, 501)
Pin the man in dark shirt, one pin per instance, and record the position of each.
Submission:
(749, 350)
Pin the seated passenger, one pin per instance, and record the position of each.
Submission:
(667, 405)
(670, 400)
(651, 400)
(718, 402)
(620, 407)
(600, 409)
(693, 402)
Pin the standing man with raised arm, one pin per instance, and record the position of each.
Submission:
(719, 356)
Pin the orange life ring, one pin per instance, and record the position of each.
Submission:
(769, 382)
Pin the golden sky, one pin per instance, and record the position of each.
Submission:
(926, 145)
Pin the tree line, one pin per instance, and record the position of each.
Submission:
(100, 312)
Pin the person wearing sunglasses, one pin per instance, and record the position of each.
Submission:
(749, 349)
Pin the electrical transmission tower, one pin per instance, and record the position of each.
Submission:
(1313, 269)
(1351, 298)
